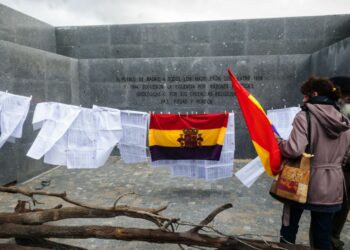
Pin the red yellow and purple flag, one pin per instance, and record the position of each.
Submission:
(260, 128)
(184, 137)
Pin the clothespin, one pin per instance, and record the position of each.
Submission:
(196, 112)
(299, 105)
(168, 113)
(178, 113)
(161, 113)
(225, 112)
(7, 91)
(192, 112)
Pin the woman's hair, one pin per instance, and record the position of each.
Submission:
(322, 86)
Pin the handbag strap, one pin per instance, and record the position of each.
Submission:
(308, 147)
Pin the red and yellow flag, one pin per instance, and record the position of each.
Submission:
(184, 137)
(259, 127)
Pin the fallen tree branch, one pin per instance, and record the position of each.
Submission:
(211, 217)
(120, 197)
(47, 244)
(151, 214)
(139, 234)
(63, 196)
(26, 225)
(9, 246)
(47, 215)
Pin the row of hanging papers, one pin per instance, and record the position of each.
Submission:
(79, 137)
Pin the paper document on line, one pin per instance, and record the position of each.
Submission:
(250, 172)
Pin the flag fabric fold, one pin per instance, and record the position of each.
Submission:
(260, 128)
(185, 137)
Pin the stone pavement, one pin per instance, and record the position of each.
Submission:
(253, 212)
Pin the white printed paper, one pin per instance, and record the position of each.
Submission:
(74, 136)
(132, 146)
(14, 110)
(250, 172)
(56, 119)
(282, 119)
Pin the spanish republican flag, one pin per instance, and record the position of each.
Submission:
(260, 128)
(184, 137)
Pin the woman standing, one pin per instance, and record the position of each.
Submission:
(330, 137)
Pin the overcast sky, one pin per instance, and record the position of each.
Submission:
(95, 12)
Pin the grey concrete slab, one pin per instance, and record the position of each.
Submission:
(337, 26)
(7, 68)
(8, 163)
(159, 33)
(103, 70)
(332, 60)
(342, 52)
(305, 28)
(126, 34)
(22, 29)
(28, 63)
(266, 29)
(67, 36)
(192, 49)
(71, 51)
(74, 82)
(59, 92)
(110, 94)
(57, 68)
(195, 32)
(256, 47)
(33, 87)
(228, 31)
(294, 35)
(304, 46)
(158, 50)
(126, 51)
(94, 51)
(27, 167)
(227, 48)
(94, 34)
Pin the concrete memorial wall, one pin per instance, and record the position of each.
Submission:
(21, 29)
(189, 85)
(175, 67)
(276, 36)
(44, 76)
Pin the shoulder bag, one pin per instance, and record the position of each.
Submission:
(291, 184)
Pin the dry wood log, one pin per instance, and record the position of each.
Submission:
(45, 244)
(138, 234)
(47, 215)
(19, 247)
(150, 214)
